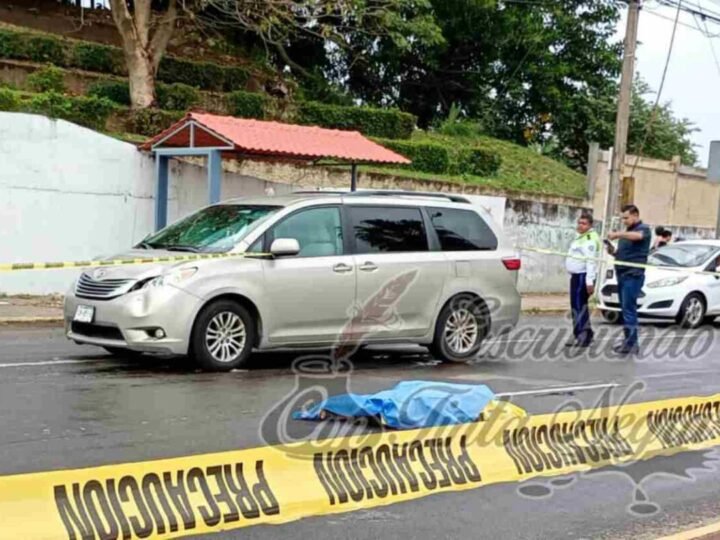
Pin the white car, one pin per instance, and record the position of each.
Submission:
(670, 293)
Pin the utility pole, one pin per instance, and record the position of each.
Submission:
(622, 119)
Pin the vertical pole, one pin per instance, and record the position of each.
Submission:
(214, 167)
(353, 177)
(593, 156)
(161, 191)
(623, 113)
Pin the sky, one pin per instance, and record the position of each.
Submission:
(692, 83)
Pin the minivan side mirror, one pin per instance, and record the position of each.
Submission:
(284, 247)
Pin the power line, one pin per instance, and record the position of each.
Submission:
(653, 114)
(712, 47)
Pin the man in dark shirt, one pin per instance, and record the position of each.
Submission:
(633, 247)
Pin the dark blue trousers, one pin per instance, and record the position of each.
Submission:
(580, 311)
(629, 288)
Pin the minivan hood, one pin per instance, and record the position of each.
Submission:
(138, 271)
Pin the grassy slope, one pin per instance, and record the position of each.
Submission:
(522, 169)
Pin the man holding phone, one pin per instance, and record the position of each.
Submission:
(633, 247)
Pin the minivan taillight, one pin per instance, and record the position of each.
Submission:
(512, 263)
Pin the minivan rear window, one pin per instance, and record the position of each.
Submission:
(462, 230)
(379, 229)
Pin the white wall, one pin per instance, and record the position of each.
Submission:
(70, 193)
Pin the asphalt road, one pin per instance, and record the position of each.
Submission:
(66, 406)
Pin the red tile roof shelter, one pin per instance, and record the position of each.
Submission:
(216, 136)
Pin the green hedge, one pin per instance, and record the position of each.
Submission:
(202, 74)
(174, 97)
(177, 96)
(9, 100)
(428, 157)
(47, 79)
(116, 91)
(247, 104)
(97, 57)
(107, 59)
(91, 112)
(475, 162)
(150, 122)
(386, 123)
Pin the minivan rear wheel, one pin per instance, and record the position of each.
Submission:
(223, 336)
(460, 329)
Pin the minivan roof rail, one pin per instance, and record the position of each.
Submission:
(371, 193)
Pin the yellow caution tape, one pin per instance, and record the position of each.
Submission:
(177, 497)
(615, 262)
(58, 265)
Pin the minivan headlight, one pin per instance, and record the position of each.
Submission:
(174, 277)
(667, 282)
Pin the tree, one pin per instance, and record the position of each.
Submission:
(658, 134)
(513, 66)
(313, 39)
(145, 36)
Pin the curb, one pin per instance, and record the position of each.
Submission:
(58, 321)
(6, 321)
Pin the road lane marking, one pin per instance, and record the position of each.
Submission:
(552, 390)
(47, 363)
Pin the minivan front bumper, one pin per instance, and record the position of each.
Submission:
(132, 320)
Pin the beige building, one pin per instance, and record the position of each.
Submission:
(667, 193)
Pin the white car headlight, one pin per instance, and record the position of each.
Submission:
(667, 282)
(173, 278)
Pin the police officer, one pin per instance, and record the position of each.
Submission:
(633, 247)
(582, 266)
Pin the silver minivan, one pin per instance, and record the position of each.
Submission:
(315, 269)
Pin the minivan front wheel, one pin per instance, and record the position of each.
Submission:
(460, 329)
(223, 336)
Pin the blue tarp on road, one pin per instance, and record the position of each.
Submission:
(408, 405)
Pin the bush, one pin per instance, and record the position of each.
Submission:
(247, 104)
(427, 157)
(51, 104)
(202, 74)
(91, 112)
(476, 162)
(150, 122)
(47, 79)
(116, 91)
(176, 97)
(109, 59)
(10, 44)
(386, 123)
(97, 57)
(44, 49)
(9, 100)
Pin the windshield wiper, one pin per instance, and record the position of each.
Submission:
(145, 245)
(181, 248)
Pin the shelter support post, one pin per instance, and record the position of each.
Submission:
(214, 167)
(161, 191)
(353, 177)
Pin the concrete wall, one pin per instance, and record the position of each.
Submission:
(667, 194)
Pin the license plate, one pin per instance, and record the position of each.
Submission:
(84, 314)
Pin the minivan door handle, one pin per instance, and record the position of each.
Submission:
(367, 266)
(342, 268)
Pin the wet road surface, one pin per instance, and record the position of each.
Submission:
(66, 406)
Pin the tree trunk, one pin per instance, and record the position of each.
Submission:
(141, 76)
(143, 51)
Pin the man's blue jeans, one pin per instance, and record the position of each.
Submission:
(629, 288)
